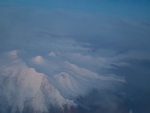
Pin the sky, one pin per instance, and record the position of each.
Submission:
(102, 39)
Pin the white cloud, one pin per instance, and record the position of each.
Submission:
(52, 54)
(12, 54)
(38, 60)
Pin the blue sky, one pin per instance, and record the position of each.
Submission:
(136, 9)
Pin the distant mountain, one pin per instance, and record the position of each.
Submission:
(25, 90)
(22, 87)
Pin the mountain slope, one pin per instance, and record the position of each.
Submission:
(50, 86)
(22, 86)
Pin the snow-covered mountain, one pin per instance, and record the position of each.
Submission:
(23, 89)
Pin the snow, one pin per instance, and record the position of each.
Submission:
(26, 87)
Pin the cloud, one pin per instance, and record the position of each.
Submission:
(52, 54)
(136, 74)
(12, 54)
(38, 60)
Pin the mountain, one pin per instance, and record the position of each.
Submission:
(25, 89)
(22, 87)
